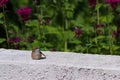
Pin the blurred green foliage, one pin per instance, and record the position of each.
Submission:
(52, 26)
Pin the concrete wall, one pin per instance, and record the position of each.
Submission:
(18, 65)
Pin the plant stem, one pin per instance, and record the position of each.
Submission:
(25, 31)
(66, 43)
(98, 14)
(98, 22)
(110, 40)
(109, 36)
(39, 10)
(23, 27)
(87, 43)
(42, 27)
(5, 25)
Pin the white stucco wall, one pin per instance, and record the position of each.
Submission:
(18, 65)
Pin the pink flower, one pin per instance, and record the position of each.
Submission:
(24, 13)
(3, 2)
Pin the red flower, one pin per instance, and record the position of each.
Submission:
(3, 2)
(77, 32)
(14, 40)
(116, 33)
(92, 3)
(24, 13)
(113, 3)
(47, 22)
(98, 28)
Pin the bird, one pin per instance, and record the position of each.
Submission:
(37, 54)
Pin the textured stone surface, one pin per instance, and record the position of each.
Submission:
(18, 65)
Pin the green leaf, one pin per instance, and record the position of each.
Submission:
(15, 27)
(32, 23)
(114, 47)
(107, 18)
(1, 22)
(98, 6)
(98, 38)
(75, 41)
(50, 29)
(36, 43)
(22, 3)
(94, 50)
(105, 47)
(69, 14)
(79, 21)
(2, 40)
(1, 15)
(68, 35)
(80, 48)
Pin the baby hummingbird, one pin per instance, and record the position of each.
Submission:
(37, 54)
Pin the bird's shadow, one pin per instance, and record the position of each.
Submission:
(43, 58)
